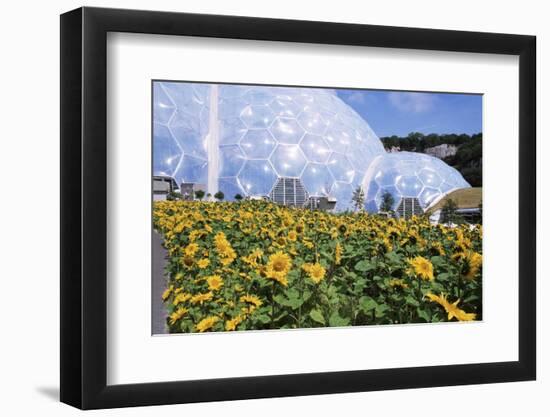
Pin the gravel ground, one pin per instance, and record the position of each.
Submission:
(158, 284)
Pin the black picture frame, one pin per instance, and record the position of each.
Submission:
(84, 207)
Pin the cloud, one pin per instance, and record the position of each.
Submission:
(412, 102)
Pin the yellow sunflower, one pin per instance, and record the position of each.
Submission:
(292, 236)
(203, 263)
(278, 266)
(215, 282)
(338, 254)
(232, 324)
(474, 264)
(226, 252)
(167, 292)
(207, 323)
(422, 268)
(177, 315)
(316, 271)
(181, 298)
(252, 300)
(451, 308)
(191, 249)
(202, 297)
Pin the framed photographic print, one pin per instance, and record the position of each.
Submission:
(257, 208)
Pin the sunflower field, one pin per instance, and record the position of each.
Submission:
(255, 265)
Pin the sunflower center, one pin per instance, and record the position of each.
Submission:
(279, 265)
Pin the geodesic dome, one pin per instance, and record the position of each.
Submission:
(409, 175)
(240, 139)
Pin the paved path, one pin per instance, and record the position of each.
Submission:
(158, 285)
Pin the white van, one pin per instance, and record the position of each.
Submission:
(164, 185)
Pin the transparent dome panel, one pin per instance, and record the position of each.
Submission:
(163, 106)
(285, 107)
(231, 160)
(410, 175)
(257, 177)
(193, 170)
(408, 185)
(189, 136)
(288, 160)
(315, 148)
(257, 116)
(286, 130)
(258, 144)
(317, 179)
(231, 131)
(340, 167)
(167, 154)
(343, 194)
(313, 122)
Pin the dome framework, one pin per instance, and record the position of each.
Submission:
(242, 139)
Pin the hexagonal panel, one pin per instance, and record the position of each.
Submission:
(340, 167)
(163, 107)
(258, 143)
(188, 136)
(257, 116)
(408, 185)
(257, 177)
(430, 177)
(192, 170)
(286, 130)
(317, 179)
(231, 160)
(184, 121)
(339, 137)
(305, 97)
(288, 160)
(315, 148)
(342, 193)
(186, 99)
(259, 96)
(428, 196)
(285, 107)
(312, 122)
(229, 108)
(167, 154)
(360, 155)
(231, 131)
(394, 193)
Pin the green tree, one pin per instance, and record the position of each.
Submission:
(219, 196)
(238, 197)
(387, 202)
(199, 194)
(358, 198)
(173, 195)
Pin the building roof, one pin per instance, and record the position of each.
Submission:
(465, 198)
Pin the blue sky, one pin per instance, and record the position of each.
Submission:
(399, 113)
